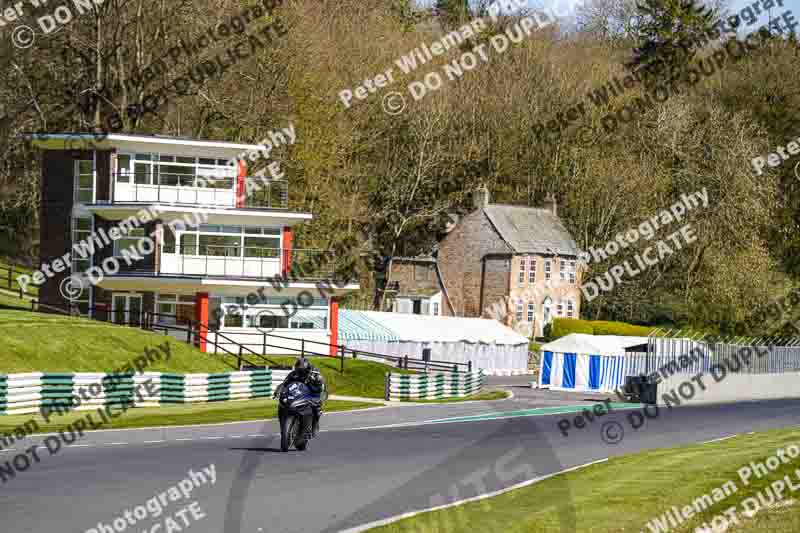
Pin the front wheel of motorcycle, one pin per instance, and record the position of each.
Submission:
(287, 429)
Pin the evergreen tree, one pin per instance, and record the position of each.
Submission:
(669, 33)
(453, 13)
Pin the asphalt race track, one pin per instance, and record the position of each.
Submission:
(349, 476)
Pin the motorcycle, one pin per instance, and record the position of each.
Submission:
(296, 405)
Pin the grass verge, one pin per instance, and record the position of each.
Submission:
(178, 415)
(39, 342)
(360, 378)
(627, 493)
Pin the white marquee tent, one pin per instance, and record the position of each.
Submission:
(491, 346)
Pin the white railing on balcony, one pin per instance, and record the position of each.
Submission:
(199, 190)
(209, 265)
(134, 192)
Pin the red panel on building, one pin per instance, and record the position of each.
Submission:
(241, 188)
(334, 321)
(287, 251)
(201, 310)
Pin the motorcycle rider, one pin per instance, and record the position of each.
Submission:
(308, 374)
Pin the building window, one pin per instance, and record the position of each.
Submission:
(172, 309)
(84, 181)
(176, 171)
(81, 231)
(562, 270)
(531, 310)
(435, 309)
(522, 267)
(570, 308)
(532, 271)
(230, 241)
(547, 270)
(519, 311)
(559, 308)
(129, 242)
(572, 275)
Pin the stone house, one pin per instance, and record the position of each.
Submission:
(517, 264)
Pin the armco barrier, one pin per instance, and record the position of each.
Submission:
(433, 386)
(27, 393)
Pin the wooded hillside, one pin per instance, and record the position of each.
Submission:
(389, 179)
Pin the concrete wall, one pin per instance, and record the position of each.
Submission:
(733, 388)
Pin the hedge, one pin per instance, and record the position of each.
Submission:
(565, 326)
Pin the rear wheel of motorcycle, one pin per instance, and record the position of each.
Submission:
(287, 432)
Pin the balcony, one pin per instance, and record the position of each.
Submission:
(258, 263)
(194, 190)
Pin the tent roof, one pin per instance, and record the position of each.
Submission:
(593, 344)
(373, 325)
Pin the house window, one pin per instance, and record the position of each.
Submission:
(84, 181)
(532, 271)
(547, 270)
(570, 308)
(572, 278)
(81, 231)
(562, 270)
(519, 311)
(559, 308)
(531, 310)
(435, 309)
(522, 267)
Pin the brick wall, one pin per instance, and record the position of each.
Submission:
(414, 276)
(460, 254)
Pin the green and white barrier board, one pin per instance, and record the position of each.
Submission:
(433, 386)
(28, 393)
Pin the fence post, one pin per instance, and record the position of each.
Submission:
(404, 363)
(239, 359)
(387, 386)
(264, 343)
(469, 366)
(302, 347)
(9, 278)
(216, 342)
(341, 369)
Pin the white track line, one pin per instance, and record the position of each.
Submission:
(718, 440)
(391, 520)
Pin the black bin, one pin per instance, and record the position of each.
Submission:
(426, 354)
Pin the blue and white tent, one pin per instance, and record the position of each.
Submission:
(590, 362)
(492, 347)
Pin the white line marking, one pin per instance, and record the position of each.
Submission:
(717, 440)
(82, 445)
(213, 438)
(153, 441)
(235, 436)
(257, 435)
(116, 444)
(385, 521)
(183, 439)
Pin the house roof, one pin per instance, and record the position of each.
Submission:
(531, 229)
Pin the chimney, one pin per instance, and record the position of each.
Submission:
(550, 203)
(481, 197)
